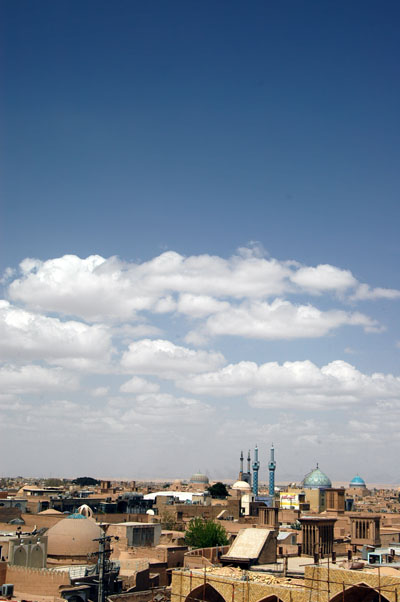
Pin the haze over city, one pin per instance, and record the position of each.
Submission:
(199, 242)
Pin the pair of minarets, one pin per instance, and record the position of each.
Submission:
(256, 467)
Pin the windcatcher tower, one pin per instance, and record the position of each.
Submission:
(271, 468)
(256, 466)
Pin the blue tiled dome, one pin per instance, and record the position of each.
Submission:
(357, 482)
(199, 478)
(316, 479)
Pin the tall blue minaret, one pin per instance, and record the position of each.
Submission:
(271, 468)
(256, 466)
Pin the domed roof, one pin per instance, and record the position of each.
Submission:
(200, 478)
(316, 479)
(73, 537)
(50, 512)
(357, 482)
(241, 486)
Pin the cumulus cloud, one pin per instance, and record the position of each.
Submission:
(199, 306)
(163, 358)
(139, 385)
(323, 278)
(100, 289)
(19, 380)
(99, 391)
(164, 408)
(282, 320)
(366, 293)
(29, 336)
(145, 412)
(300, 385)
(93, 288)
(70, 316)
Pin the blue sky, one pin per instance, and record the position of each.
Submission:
(244, 145)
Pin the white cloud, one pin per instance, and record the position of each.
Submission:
(163, 408)
(99, 289)
(27, 335)
(19, 380)
(199, 306)
(99, 391)
(144, 412)
(139, 385)
(323, 278)
(130, 331)
(365, 293)
(301, 385)
(93, 288)
(163, 358)
(282, 320)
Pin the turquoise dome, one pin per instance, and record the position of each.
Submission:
(316, 479)
(357, 482)
(199, 479)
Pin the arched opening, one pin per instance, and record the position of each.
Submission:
(359, 593)
(270, 599)
(20, 556)
(75, 598)
(205, 593)
(37, 557)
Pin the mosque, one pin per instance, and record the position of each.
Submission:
(316, 479)
(199, 481)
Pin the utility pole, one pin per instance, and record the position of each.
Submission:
(103, 556)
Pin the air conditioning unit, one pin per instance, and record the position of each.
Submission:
(7, 590)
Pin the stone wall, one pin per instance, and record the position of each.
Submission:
(185, 582)
(202, 557)
(321, 585)
(325, 584)
(172, 555)
(41, 582)
(7, 514)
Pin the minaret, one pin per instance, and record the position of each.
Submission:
(249, 468)
(241, 463)
(256, 466)
(271, 468)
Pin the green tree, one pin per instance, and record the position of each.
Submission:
(85, 481)
(168, 520)
(53, 482)
(205, 534)
(218, 490)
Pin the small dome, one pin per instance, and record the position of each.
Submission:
(199, 478)
(241, 486)
(85, 510)
(73, 537)
(316, 479)
(51, 512)
(17, 521)
(357, 482)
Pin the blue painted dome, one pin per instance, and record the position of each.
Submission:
(316, 479)
(357, 482)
